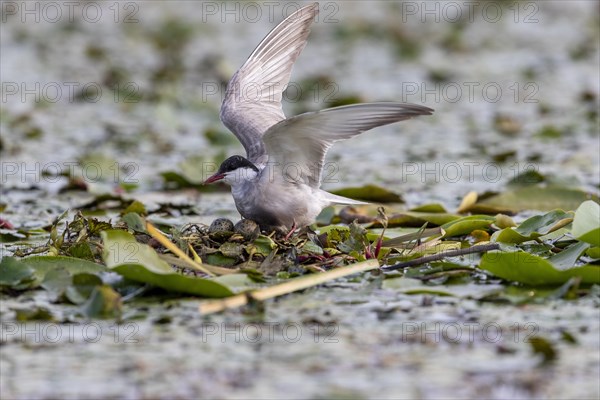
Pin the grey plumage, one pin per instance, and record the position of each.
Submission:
(278, 185)
(252, 102)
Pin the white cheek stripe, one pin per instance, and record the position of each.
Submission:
(240, 175)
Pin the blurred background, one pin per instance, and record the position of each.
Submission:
(124, 96)
(105, 100)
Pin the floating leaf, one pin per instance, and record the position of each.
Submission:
(9, 235)
(479, 236)
(82, 287)
(567, 258)
(100, 167)
(526, 178)
(135, 222)
(543, 224)
(430, 208)
(586, 225)
(33, 314)
(549, 132)
(371, 193)
(504, 221)
(542, 198)
(534, 227)
(467, 202)
(139, 262)
(135, 207)
(175, 180)
(533, 270)
(15, 274)
(57, 281)
(466, 225)
(104, 302)
(43, 264)
(544, 347)
(593, 252)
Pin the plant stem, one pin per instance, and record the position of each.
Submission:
(440, 256)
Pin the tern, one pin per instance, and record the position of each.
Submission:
(277, 184)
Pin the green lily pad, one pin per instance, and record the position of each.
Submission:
(544, 347)
(533, 270)
(466, 225)
(586, 225)
(135, 222)
(57, 281)
(175, 180)
(36, 313)
(536, 197)
(593, 252)
(104, 302)
(82, 287)
(430, 208)
(567, 258)
(370, 193)
(15, 274)
(135, 207)
(44, 264)
(140, 263)
(546, 223)
(534, 227)
(100, 166)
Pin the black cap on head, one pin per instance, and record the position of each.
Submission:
(235, 162)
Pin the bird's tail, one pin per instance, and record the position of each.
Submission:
(335, 199)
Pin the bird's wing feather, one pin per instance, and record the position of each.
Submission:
(252, 102)
(297, 146)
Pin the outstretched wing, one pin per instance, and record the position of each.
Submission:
(252, 102)
(297, 146)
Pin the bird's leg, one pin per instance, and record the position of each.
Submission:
(289, 234)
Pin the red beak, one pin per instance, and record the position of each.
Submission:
(214, 178)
